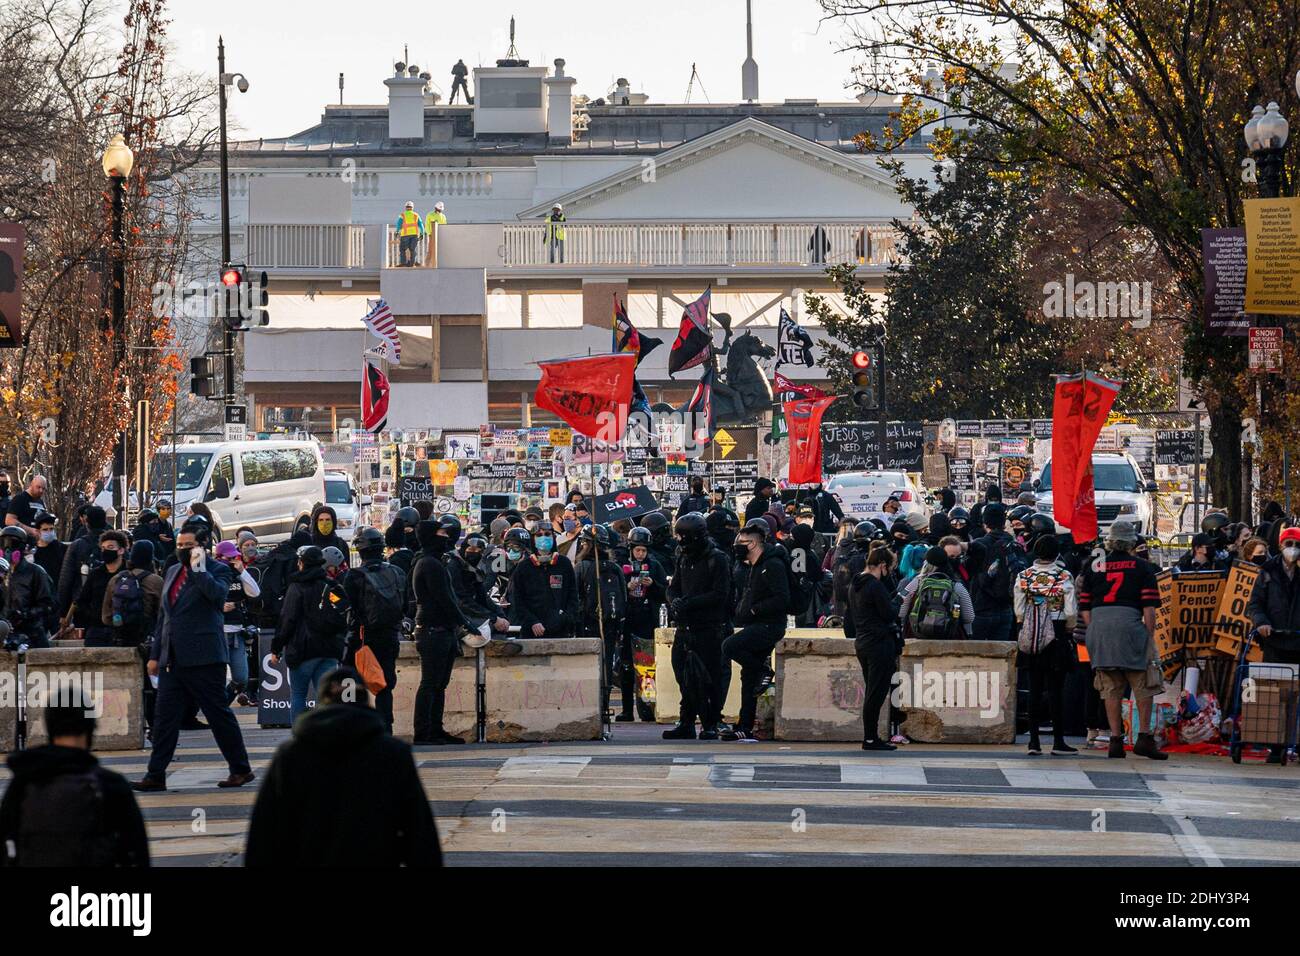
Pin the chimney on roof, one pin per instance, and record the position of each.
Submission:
(749, 69)
(559, 105)
(406, 103)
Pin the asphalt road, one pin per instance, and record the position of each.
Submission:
(638, 799)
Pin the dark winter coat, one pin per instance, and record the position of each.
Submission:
(545, 594)
(297, 637)
(766, 598)
(1276, 602)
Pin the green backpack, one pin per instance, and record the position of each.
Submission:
(935, 613)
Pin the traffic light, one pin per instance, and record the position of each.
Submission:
(230, 296)
(865, 393)
(260, 298)
(202, 380)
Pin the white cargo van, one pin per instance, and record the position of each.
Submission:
(269, 486)
(1120, 491)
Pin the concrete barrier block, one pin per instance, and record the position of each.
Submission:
(819, 688)
(959, 691)
(114, 676)
(537, 690)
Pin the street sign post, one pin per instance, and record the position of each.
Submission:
(1265, 349)
(236, 422)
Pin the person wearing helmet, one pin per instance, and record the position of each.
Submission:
(993, 561)
(1215, 524)
(602, 595)
(377, 594)
(697, 500)
(1038, 526)
(661, 537)
(410, 228)
(553, 234)
(761, 617)
(28, 594)
(698, 600)
(516, 545)
(431, 223)
(1274, 607)
(1017, 517)
(468, 571)
(1118, 600)
(439, 622)
(243, 590)
(312, 628)
(544, 591)
(399, 536)
(647, 589)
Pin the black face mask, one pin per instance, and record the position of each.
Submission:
(183, 555)
(741, 551)
(108, 557)
(474, 557)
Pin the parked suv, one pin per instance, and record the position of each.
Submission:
(1121, 491)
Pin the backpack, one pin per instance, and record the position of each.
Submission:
(800, 583)
(1006, 564)
(128, 601)
(935, 613)
(62, 823)
(328, 613)
(274, 584)
(384, 603)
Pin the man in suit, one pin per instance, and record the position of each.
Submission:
(188, 656)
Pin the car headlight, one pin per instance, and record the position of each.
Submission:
(345, 522)
(1128, 509)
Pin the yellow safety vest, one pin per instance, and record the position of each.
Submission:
(555, 227)
(435, 219)
(410, 223)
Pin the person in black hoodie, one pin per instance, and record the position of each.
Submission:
(311, 632)
(27, 597)
(874, 613)
(761, 617)
(647, 586)
(468, 571)
(276, 568)
(697, 500)
(376, 597)
(438, 626)
(604, 607)
(544, 592)
(324, 533)
(698, 599)
(1274, 607)
(342, 792)
(764, 490)
(992, 494)
(49, 553)
(62, 809)
(959, 522)
(80, 557)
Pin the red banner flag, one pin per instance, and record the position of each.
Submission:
(374, 399)
(592, 394)
(1079, 411)
(804, 419)
(781, 384)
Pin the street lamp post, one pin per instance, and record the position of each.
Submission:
(117, 162)
(1266, 135)
(224, 80)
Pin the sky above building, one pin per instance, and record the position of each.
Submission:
(293, 52)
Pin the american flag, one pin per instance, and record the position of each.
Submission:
(380, 321)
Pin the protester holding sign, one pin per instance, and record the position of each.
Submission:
(1275, 608)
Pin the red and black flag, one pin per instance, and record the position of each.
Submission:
(374, 399)
(592, 394)
(694, 340)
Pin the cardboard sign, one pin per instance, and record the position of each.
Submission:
(1192, 615)
(1014, 470)
(1231, 623)
(1171, 654)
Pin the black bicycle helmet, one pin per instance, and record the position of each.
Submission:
(1020, 513)
(864, 532)
(408, 516)
(519, 536)
(1041, 524)
(958, 514)
(692, 530)
(641, 536)
(1214, 522)
(369, 539)
(660, 527)
(311, 556)
(18, 535)
(473, 540)
(451, 525)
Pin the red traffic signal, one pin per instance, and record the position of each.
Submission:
(862, 360)
(230, 277)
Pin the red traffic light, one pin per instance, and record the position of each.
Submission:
(230, 277)
(861, 360)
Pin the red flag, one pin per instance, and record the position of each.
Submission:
(694, 340)
(782, 385)
(1079, 410)
(374, 399)
(591, 394)
(804, 419)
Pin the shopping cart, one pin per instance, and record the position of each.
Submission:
(1263, 709)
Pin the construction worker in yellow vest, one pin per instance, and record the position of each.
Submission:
(409, 230)
(553, 237)
(431, 223)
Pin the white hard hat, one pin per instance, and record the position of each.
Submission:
(410, 205)
(557, 206)
(439, 206)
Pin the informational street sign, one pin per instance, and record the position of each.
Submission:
(1265, 349)
(855, 446)
(236, 422)
(1176, 447)
(1223, 253)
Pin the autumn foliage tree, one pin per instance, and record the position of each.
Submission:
(71, 78)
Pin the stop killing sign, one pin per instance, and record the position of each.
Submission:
(1265, 349)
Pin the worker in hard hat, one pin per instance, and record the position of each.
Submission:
(553, 237)
(409, 230)
(431, 223)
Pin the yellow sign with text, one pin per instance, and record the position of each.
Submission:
(1273, 256)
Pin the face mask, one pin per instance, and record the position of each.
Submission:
(741, 551)
(164, 513)
(107, 556)
(48, 536)
(4, 488)
(530, 524)
(183, 555)
(15, 556)
(325, 527)
(544, 544)
(513, 556)
(569, 524)
(474, 557)
(1291, 554)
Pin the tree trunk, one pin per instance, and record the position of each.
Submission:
(1224, 470)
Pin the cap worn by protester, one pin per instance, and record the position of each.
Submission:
(226, 551)
(1288, 534)
(917, 521)
(1122, 532)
